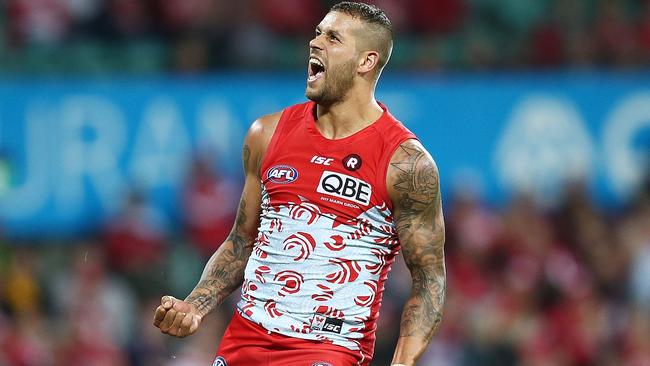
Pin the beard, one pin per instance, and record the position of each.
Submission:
(337, 82)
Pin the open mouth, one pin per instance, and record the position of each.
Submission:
(316, 69)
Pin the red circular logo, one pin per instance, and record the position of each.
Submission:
(352, 162)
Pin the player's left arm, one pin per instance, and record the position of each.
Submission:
(413, 185)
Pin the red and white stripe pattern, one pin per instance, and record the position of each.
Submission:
(248, 307)
(332, 271)
(385, 212)
(335, 243)
(361, 320)
(367, 300)
(262, 241)
(301, 240)
(324, 295)
(363, 228)
(379, 266)
(329, 311)
(348, 271)
(308, 210)
(276, 225)
(260, 272)
(271, 308)
(304, 328)
(389, 237)
(292, 281)
(248, 287)
(324, 339)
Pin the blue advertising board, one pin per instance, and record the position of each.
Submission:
(70, 149)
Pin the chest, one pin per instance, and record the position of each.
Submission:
(344, 180)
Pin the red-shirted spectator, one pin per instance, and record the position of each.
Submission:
(290, 16)
(617, 43)
(37, 21)
(26, 341)
(644, 32)
(547, 45)
(129, 18)
(210, 204)
(88, 346)
(437, 16)
(135, 236)
(182, 15)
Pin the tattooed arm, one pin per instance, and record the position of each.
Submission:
(224, 272)
(413, 184)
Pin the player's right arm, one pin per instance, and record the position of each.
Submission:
(224, 271)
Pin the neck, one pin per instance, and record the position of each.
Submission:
(347, 117)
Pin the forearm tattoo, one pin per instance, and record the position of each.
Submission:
(225, 270)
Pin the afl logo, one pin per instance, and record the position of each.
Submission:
(219, 361)
(352, 162)
(282, 174)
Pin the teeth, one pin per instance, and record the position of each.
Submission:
(316, 61)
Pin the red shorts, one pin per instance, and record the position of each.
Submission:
(248, 344)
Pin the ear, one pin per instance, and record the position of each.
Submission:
(368, 61)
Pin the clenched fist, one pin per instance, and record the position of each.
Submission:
(176, 317)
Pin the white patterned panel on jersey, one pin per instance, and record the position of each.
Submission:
(308, 266)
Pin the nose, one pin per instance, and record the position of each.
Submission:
(315, 43)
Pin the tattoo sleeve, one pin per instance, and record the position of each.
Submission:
(415, 190)
(224, 272)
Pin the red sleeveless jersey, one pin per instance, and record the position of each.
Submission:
(327, 236)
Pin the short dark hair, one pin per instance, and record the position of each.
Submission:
(379, 23)
(368, 13)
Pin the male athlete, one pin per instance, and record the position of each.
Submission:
(344, 186)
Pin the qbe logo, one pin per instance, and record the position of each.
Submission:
(344, 186)
(282, 174)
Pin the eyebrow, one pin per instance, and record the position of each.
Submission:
(330, 32)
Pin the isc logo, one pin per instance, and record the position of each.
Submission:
(345, 186)
(321, 160)
(332, 328)
(326, 324)
(282, 174)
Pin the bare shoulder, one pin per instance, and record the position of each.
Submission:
(412, 179)
(262, 129)
(258, 138)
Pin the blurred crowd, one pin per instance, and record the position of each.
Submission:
(527, 285)
(149, 36)
(535, 287)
